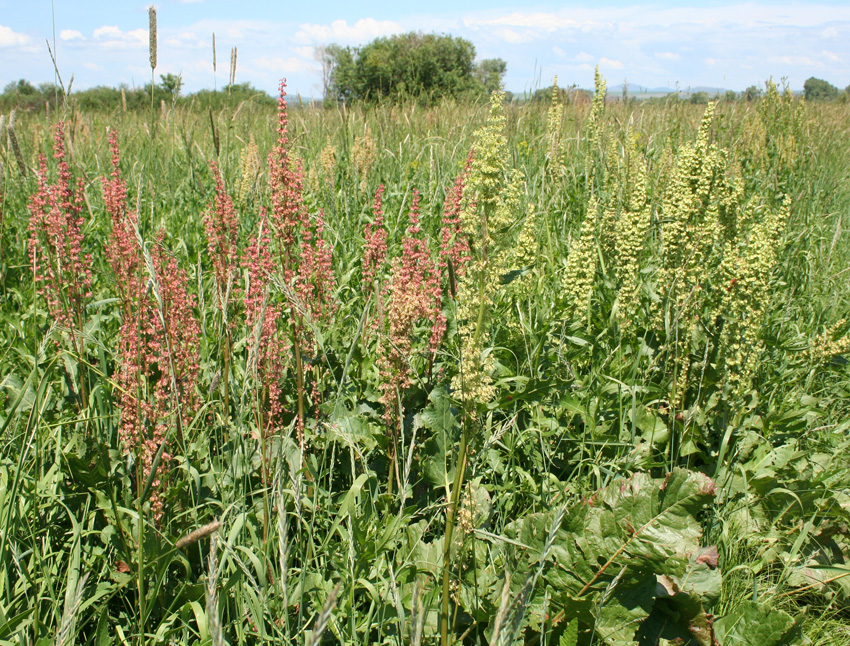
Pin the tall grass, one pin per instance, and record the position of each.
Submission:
(347, 521)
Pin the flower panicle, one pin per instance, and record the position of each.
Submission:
(222, 230)
(286, 184)
(455, 252)
(412, 294)
(316, 280)
(122, 248)
(375, 247)
(60, 266)
(266, 343)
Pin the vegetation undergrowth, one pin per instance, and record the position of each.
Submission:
(558, 373)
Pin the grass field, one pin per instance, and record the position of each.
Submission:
(541, 373)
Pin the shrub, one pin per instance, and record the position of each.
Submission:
(414, 65)
(819, 90)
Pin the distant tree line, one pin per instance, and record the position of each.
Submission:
(23, 95)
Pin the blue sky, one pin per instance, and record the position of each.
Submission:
(714, 43)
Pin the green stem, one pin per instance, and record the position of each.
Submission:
(450, 524)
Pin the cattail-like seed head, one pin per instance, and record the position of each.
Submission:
(152, 35)
(233, 66)
(16, 148)
(214, 70)
(198, 534)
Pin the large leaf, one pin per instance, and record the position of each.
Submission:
(753, 625)
(612, 548)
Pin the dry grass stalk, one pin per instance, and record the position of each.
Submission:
(152, 35)
(16, 148)
(212, 595)
(324, 617)
(69, 616)
(198, 534)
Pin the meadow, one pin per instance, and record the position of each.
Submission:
(544, 373)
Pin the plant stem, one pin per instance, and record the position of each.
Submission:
(450, 523)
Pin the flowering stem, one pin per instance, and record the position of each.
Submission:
(447, 541)
(299, 379)
(225, 377)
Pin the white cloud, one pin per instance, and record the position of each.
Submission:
(112, 37)
(796, 61)
(584, 57)
(9, 38)
(608, 63)
(71, 34)
(513, 36)
(282, 66)
(832, 56)
(667, 56)
(187, 40)
(339, 31)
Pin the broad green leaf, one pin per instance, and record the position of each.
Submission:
(570, 635)
(751, 624)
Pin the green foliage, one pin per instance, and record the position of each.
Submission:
(171, 83)
(22, 95)
(585, 514)
(816, 89)
(425, 67)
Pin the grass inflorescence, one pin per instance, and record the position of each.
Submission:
(467, 373)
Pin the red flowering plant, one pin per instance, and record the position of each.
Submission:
(222, 229)
(158, 340)
(267, 346)
(61, 269)
(412, 296)
(295, 259)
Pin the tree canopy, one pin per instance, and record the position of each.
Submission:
(426, 67)
(818, 89)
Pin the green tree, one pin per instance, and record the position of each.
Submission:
(426, 67)
(489, 73)
(21, 87)
(752, 93)
(819, 90)
(171, 83)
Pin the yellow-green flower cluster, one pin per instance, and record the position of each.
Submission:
(249, 164)
(828, 344)
(690, 218)
(782, 119)
(363, 155)
(745, 275)
(582, 261)
(327, 160)
(630, 233)
(491, 203)
(554, 118)
(523, 255)
(597, 107)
